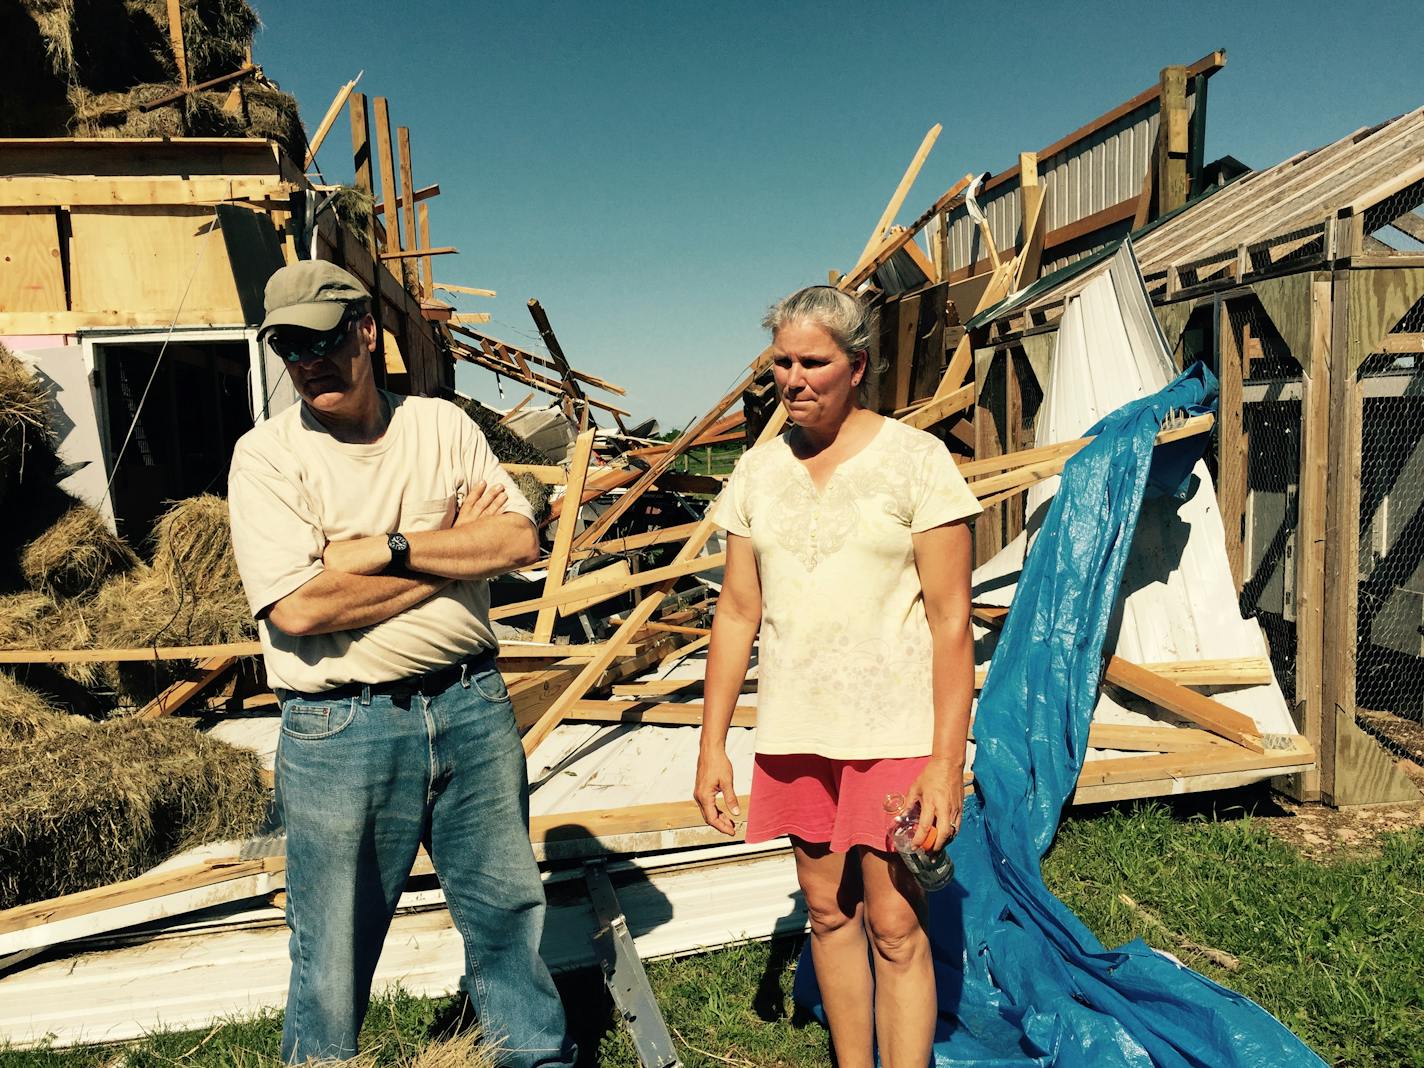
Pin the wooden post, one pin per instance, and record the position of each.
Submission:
(361, 164)
(1032, 223)
(1354, 770)
(1310, 536)
(1172, 145)
(1231, 460)
(1013, 434)
(905, 335)
(427, 273)
(564, 533)
(175, 34)
(944, 246)
(388, 176)
(407, 184)
(988, 528)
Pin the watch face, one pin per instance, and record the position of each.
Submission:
(398, 543)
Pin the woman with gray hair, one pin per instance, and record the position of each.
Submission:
(848, 552)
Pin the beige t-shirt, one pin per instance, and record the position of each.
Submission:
(845, 645)
(293, 488)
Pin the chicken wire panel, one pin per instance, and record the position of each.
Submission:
(1389, 652)
(1271, 422)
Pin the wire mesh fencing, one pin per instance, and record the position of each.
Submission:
(1389, 652)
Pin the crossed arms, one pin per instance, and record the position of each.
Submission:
(352, 593)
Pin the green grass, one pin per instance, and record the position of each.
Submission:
(1334, 949)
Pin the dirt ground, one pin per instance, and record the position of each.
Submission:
(1320, 831)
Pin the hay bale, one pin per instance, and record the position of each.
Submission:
(76, 555)
(510, 448)
(275, 115)
(101, 802)
(117, 114)
(191, 595)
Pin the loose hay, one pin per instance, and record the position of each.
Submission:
(275, 115)
(101, 802)
(25, 716)
(24, 419)
(117, 114)
(76, 555)
(355, 207)
(191, 595)
(55, 21)
(216, 34)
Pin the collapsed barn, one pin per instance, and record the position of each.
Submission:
(130, 293)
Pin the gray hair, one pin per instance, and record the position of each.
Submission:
(848, 319)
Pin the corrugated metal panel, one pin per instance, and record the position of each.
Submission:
(1094, 174)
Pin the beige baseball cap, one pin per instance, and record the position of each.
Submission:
(313, 294)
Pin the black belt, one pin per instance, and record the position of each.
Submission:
(427, 684)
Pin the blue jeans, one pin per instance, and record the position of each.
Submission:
(362, 781)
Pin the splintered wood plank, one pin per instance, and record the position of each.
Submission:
(564, 532)
(407, 189)
(324, 127)
(665, 713)
(603, 580)
(902, 190)
(181, 692)
(1202, 710)
(31, 272)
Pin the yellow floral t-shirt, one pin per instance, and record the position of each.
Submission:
(845, 646)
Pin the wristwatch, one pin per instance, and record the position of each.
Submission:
(400, 551)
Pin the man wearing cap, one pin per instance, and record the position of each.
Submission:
(365, 524)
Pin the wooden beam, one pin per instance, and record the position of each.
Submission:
(119, 656)
(1206, 713)
(337, 103)
(427, 277)
(936, 411)
(635, 819)
(361, 147)
(901, 191)
(407, 192)
(549, 474)
(465, 318)
(386, 159)
(1232, 445)
(671, 714)
(103, 191)
(451, 287)
(177, 695)
(564, 534)
(1172, 148)
(424, 193)
(677, 569)
(444, 250)
(1033, 222)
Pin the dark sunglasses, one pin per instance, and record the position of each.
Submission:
(294, 344)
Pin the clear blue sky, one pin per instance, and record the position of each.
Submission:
(657, 173)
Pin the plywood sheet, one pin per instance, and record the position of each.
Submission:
(164, 263)
(31, 272)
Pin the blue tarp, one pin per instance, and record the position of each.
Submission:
(1021, 980)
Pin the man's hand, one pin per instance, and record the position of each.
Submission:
(483, 500)
(940, 792)
(714, 779)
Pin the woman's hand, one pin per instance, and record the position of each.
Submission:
(940, 792)
(714, 777)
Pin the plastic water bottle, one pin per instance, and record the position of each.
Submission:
(934, 870)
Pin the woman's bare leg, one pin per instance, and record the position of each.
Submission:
(832, 888)
(905, 1005)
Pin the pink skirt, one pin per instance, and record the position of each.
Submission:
(820, 799)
